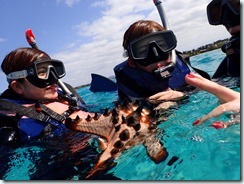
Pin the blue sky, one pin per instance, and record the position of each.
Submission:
(87, 34)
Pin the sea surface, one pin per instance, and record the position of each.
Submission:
(196, 153)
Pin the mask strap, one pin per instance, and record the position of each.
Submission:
(16, 75)
(125, 54)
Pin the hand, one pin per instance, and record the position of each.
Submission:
(169, 95)
(166, 99)
(229, 98)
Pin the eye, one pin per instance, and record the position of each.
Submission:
(42, 72)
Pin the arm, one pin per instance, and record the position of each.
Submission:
(229, 98)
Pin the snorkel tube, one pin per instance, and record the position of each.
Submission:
(30, 37)
(32, 42)
(163, 70)
(164, 20)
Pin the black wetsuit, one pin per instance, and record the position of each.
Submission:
(230, 66)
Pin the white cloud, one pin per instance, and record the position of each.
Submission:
(2, 40)
(69, 3)
(187, 18)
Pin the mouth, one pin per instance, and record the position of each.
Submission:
(52, 88)
(164, 71)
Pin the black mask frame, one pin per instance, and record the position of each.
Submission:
(224, 12)
(54, 71)
(152, 48)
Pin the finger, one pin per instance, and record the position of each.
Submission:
(233, 106)
(158, 95)
(214, 113)
(165, 105)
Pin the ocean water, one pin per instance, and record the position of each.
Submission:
(195, 153)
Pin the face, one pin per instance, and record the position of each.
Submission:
(225, 12)
(30, 91)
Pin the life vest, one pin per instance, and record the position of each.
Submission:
(30, 122)
(135, 83)
(34, 121)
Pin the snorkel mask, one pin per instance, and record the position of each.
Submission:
(153, 48)
(226, 12)
(41, 73)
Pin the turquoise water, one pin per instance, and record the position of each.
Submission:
(195, 153)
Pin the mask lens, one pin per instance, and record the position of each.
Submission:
(223, 11)
(59, 69)
(165, 40)
(213, 11)
(45, 73)
(44, 68)
(42, 72)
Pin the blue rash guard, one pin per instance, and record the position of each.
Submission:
(135, 83)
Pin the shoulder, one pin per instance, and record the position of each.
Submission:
(9, 93)
(121, 65)
(182, 57)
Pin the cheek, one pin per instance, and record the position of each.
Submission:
(32, 92)
(36, 93)
(152, 67)
(149, 68)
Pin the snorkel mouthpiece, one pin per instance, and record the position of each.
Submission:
(165, 71)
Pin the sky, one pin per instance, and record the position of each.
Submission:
(87, 35)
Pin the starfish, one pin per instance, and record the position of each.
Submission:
(126, 125)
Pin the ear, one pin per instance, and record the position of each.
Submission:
(17, 87)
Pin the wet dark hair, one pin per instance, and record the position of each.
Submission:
(21, 58)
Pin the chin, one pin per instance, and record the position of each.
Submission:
(52, 96)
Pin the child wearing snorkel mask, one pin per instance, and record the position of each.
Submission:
(151, 70)
(33, 82)
(32, 76)
(227, 13)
